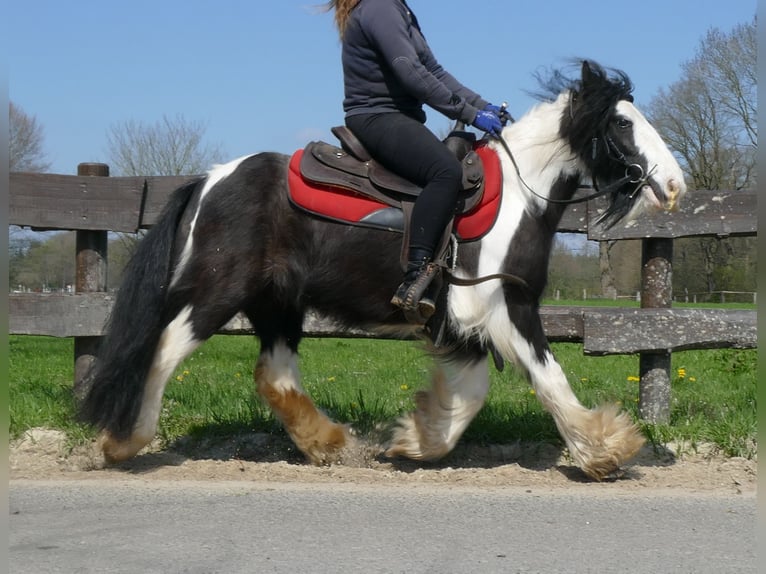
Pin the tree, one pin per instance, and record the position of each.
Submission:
(709, 116)
(43, 264)
(25, 142)
(170, 146)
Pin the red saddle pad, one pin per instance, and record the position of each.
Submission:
(347, 206)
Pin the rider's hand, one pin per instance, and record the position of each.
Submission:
(500, 111)
(488, 122)
(493, 108)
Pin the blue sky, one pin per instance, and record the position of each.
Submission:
(266, 75)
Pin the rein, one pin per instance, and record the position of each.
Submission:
(507, 277)
(639, 179)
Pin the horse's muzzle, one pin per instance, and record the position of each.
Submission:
(664, 197)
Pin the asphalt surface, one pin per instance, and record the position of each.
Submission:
(238, 527)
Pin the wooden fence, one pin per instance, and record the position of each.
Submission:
(92, 204)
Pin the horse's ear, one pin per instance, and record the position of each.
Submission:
(587, 73)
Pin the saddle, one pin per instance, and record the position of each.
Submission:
(352, 167)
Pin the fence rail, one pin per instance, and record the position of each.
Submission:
(93, 205)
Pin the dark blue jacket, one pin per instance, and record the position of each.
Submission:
(388, 67)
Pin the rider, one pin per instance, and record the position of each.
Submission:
(389, 72)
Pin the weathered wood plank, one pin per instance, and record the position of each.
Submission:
(85, 314)
(48, 201)
(602, 330)
(625, 331)
(701, 213)
(158, 191)
(58, 315)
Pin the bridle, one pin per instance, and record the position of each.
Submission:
(634, 173)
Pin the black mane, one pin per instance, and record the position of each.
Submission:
(614, 84)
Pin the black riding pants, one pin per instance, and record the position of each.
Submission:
(411, 150)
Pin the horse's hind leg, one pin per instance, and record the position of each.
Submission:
(459, 387)
(176, 343)
(277, 380)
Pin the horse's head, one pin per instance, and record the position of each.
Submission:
(620, 148)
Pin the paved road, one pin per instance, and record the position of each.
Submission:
(195, 527)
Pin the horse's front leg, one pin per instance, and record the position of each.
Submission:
(599, 440)
(459, 388)
(277, 380)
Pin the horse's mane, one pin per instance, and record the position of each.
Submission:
(614, 84)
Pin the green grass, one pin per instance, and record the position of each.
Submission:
(366, 383)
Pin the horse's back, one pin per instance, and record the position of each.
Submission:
(242, 246)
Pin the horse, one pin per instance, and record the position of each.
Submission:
(231, 241)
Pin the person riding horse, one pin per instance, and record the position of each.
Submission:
(389, 72)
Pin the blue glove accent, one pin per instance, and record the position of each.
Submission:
(488, 122)
(500, 111)
(493, 108)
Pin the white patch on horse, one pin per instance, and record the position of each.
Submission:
(282, 365)
(468, 385)
(215, 176)
(664, 169)
(176, 343)
(533, 142)
(443, 412)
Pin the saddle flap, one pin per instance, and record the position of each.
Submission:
(388, 180)
(335, 158)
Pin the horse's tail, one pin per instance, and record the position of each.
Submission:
(113, 388)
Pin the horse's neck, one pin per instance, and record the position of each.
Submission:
(546, 164)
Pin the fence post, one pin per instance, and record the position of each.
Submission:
(656, 292)
(90, 277)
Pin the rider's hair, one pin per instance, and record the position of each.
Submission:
(342, 12)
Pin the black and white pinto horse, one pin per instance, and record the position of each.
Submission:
(231, 242)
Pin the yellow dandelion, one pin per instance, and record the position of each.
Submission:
(633, 379)
(532, 392)
(330, 379)
(583, 380)
(179, 378)
(186, 373)
(681, 373)
(404, 387)
(693, 379)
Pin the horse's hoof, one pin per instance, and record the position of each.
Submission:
(116, 451)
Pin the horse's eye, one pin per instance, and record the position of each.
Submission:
(623, 123)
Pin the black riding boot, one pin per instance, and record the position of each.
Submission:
(410, 296)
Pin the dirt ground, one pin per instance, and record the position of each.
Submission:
(44, 455)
